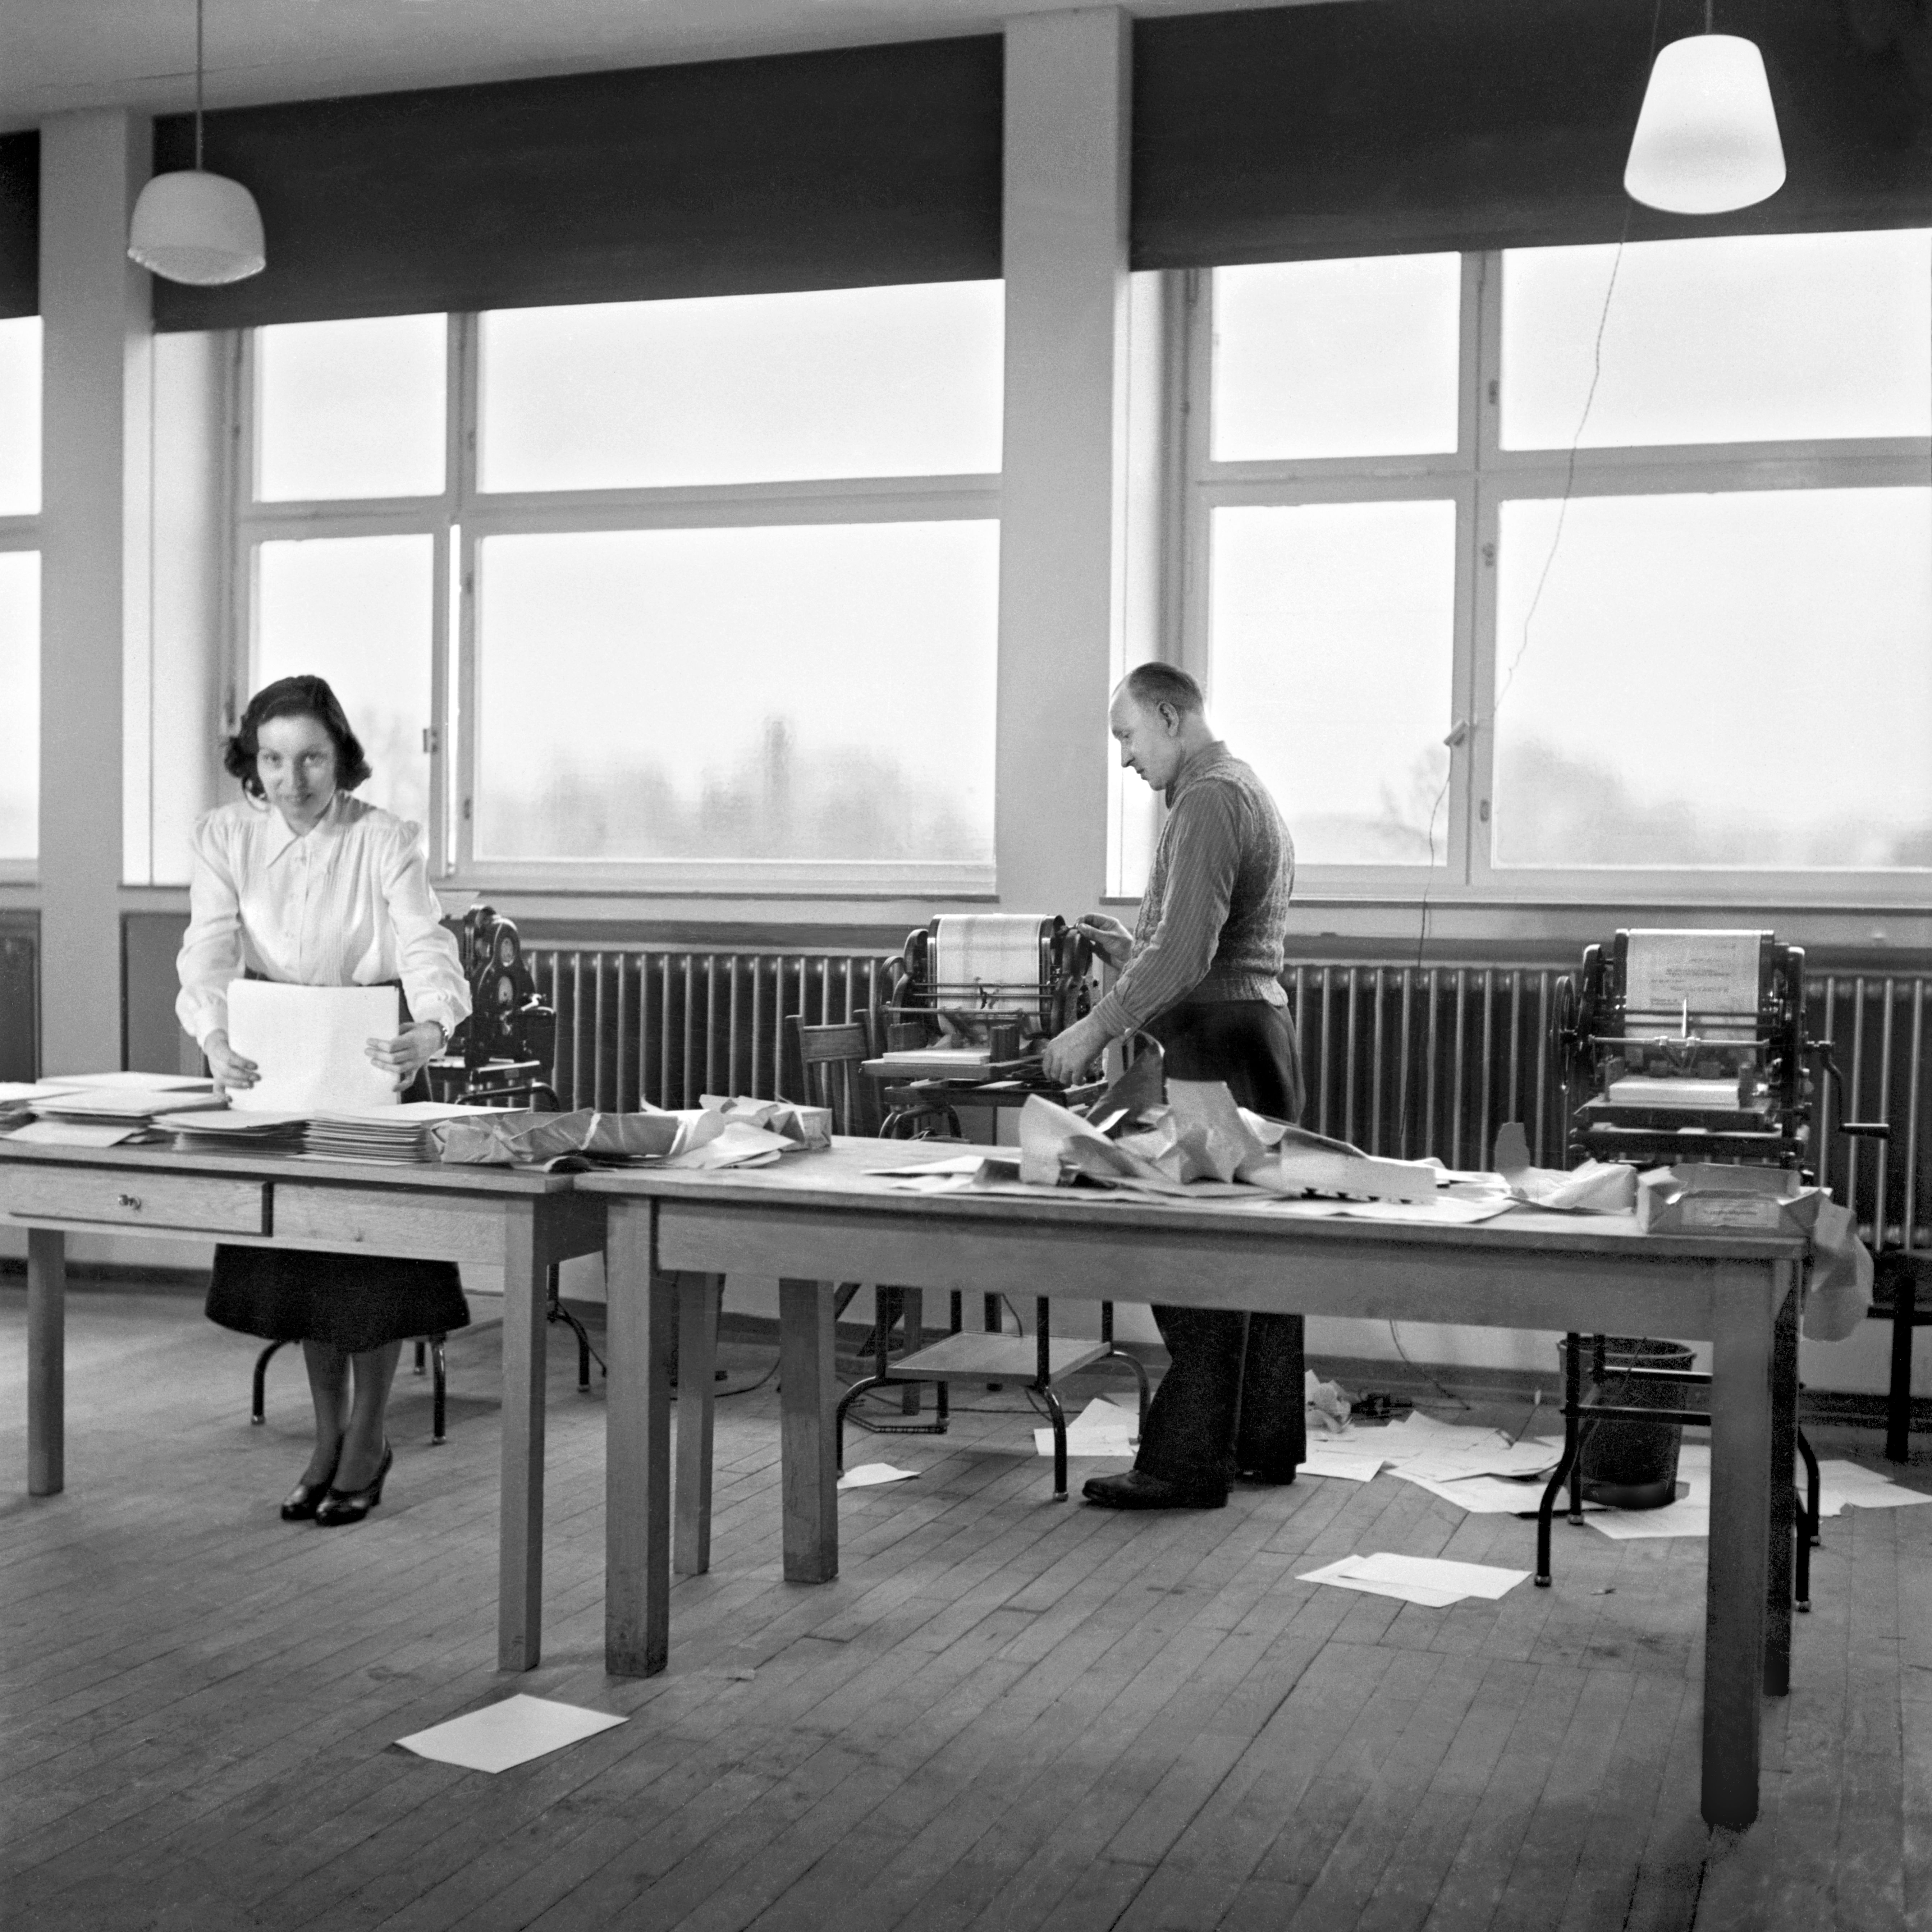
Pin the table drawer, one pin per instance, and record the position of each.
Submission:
(207, 1203)
(341, 1217)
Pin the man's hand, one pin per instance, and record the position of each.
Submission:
(1068, 1055)
(1112, 940)
(231, 1071)
(414, 1048)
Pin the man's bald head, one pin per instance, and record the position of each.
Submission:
(1159, 718)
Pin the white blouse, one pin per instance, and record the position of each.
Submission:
(347, 903)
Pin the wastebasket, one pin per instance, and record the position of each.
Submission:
(1633, 1465)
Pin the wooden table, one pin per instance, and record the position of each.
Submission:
(816, 1218)
(520, 1222)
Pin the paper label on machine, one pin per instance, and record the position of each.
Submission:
(310, 1043)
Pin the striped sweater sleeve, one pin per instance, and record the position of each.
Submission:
(1203, 835)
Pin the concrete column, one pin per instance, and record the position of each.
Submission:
(94, 521)
(1062, 575)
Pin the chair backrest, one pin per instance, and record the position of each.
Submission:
(830, 1057)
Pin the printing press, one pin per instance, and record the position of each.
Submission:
(1677, 1047)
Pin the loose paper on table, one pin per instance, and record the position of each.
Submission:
(311, 1044)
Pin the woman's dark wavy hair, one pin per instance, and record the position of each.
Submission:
(295, 697)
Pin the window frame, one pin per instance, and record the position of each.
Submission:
(461, 517)
(21, 532)
(1480, 477)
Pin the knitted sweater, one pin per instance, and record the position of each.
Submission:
(1214, 916)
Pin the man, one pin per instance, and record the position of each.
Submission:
(1201, 972)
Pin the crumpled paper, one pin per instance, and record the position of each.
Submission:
(723, 1132)
(1201, 1143)
(1328, 1404)
(1596, 1187)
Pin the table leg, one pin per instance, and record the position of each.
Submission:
(637, 1461)
(810, 1442)
(46, 1361)
(1743, 1322)
(698, 1296)
(520, 1562)
(1783, 1457)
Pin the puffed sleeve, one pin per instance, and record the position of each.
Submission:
(210, 954)
(432, 969)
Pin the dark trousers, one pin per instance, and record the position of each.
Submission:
(1233, 1398)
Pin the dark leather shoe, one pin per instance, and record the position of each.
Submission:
(305, 1498)
(1269, 1479)
(1134, 1489)
(347, 1506)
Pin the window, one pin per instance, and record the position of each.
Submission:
(687, 599)
(1570, 572)
(19, 595)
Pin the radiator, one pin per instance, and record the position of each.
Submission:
(1400, 1059)
(666, 1026)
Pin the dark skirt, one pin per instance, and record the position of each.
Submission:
(353, 1302)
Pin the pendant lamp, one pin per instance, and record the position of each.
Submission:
(191, 225)
(1706, 138)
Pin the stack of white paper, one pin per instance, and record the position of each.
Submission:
(1354, 1457)
(510, 1732)
(1431, 1581)
(394, 1133)
(311, 1046)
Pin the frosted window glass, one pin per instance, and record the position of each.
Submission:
(1336, 359)
(350, 408)
(1731, 681)
(821, 692)
(1333, 634)
(20, 704)
(358, 611)
(20, 416)
(887, 381)
(1743, 338)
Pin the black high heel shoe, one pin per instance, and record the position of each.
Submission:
(346, 1506)
(305, 1498)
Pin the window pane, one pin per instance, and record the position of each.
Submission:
(1336, 359)
(20, 416)
(358, 611)
(893, 382)
(1741, 339)
(350, 408)
(821, 692)
(1333, 632)
(20, 704)
(1736, 681)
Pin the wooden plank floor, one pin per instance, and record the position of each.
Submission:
(1006, 1714)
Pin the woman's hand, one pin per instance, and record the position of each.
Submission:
(230, 1070)
(1112, 940)
(412, 1050)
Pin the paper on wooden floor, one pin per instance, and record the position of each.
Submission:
(1690, 1515)
(1102, 1428)
(1423, 1449)
(1351, 1458)
(311, 1045)
(512, 1732)
(1491, 1496)
(1435, 1581)
(1843, 1483)
(868, 1475)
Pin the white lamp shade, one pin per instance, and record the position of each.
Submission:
(192, 226)
(1706, 138)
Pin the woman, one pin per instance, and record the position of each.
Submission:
(300, 882)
